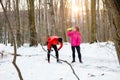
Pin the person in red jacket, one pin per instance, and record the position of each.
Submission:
(52, 43)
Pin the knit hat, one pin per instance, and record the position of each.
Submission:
(60, 39)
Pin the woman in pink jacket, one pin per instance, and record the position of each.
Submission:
(75, 40)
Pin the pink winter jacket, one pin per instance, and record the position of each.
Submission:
(75, 38)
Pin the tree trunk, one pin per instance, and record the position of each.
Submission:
(18, 25)
(5, 24)
(87, 22)
(1, 30)
(45, 23)
(113, 8)
(98, 20)
(9, 34)
(33, 34)
(93, 19)
(13, 37)
(61, 18)
(51, 19)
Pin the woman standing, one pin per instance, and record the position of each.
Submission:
(75, 40)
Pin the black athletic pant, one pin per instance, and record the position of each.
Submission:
(56, 52)
(78, 51)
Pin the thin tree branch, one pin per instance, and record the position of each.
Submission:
(64, 62)
(14, 42)
(18, 71)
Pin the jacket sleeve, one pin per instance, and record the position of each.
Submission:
(69, 33)
(61, 44)
(49, 46)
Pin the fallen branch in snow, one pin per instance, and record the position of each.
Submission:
(69, 65)
(3, 53)
(16, 54)
(64, 62)
(18, 71)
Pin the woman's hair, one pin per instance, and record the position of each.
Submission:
(77, 28)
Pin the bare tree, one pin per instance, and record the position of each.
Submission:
(45, 21)
(51, 19)
(87, 38)
(18, 24)
(1, 33)
(93, 19)
(13, 37)
(98, 19)
(61, 18)
(113, 7)
(33, 34)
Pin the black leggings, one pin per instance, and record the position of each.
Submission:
(78, 51)
(56, 52)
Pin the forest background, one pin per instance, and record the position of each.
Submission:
(32, 21)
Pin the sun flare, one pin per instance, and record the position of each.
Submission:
(74, 9)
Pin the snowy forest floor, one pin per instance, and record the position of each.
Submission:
(99, 63)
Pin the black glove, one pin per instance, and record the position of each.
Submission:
(51, 50)
(48, 51)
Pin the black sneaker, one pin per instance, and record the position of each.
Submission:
(72, 61)
(80, 61)
(58, 61)
(48, 60)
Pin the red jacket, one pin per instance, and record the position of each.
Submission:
(53, 40)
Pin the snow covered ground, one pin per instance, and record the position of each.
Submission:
(99, 63)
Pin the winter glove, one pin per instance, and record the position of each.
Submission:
(48, 51)
(51, 50)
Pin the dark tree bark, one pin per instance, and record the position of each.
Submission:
(18, 71)
(19, 43)
(93, 19)
(61, 18)
(51, 19)
(33, 34)
(87, 36)
(1, 39)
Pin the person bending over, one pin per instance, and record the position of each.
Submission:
(52, 42)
